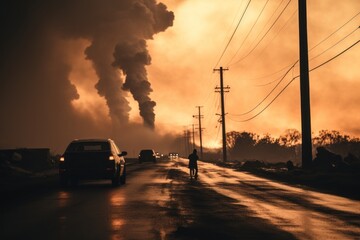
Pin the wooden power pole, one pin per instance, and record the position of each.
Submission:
(199, 116)
(193, 136)
(304, 87)
(221, 90)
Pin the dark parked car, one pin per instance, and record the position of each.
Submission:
(92, 159)
(147, 155)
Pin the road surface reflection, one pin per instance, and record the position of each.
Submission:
(304, 213)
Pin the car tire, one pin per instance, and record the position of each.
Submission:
(123, 177)
(116, 179)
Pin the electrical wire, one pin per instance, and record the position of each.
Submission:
(270, 41)
(230, 27)
(272, 90)
(212, 111)
(210, 91)
(335, 31)
(242, 43)
(218, 131)
(334, 57)
(262, 38)
(342, 39)
(232, 36)
(268, 22)
(271, 74)
(282, 90)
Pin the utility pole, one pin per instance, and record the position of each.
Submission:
(199, 116)
(187, 142)
(193, 135)
(221, 90)
(304, 88)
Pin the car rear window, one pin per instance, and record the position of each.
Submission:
(146, 152)
(88, 147)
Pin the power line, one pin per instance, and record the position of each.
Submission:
(335, 31)
(242, 43)
(262, 38)
(320, 41)
(268, 20)
(282, 90)
(232, 36)
(215, 106)
(235, 17)
(218, 131)
(338, 29)
(342, 39)
(214, 140)
(334, 56)
(269, 75)
(283, 77)
(209, 85)
(286, 23)
(272, 90)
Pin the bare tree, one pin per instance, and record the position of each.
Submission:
(291, 137)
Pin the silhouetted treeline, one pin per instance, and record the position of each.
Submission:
(250, 146)
(337, 143)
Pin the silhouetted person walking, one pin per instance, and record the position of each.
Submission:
(193, 164)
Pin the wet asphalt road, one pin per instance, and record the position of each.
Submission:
(159, 201)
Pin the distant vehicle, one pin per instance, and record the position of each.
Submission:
(92, 159)
(173, 155)
(147, 155)
(159, 155)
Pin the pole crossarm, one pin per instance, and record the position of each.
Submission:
(225, 89)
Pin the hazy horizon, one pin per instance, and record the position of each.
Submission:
(135, 71)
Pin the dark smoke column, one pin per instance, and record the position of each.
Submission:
(117, 31)
(147, 18)
(109, 84)
(132, 57)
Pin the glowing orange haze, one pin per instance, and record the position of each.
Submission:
(184, 56)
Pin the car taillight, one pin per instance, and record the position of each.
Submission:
(62, 159)
(111, 158)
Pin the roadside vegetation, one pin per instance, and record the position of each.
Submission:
(335, 167)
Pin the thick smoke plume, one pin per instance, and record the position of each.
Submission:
(132, 57)
(119, 40)
(35, 66)
(118, 30)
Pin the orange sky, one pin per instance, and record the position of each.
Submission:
(183, 58)
(51, 63)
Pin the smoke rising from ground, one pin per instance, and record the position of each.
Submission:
(35, 90)
(132, 57)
